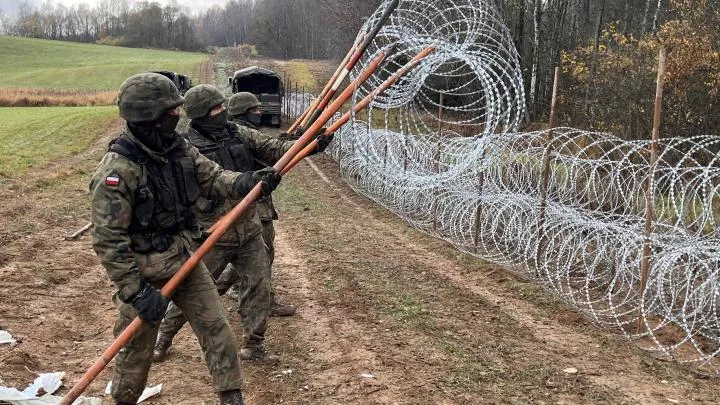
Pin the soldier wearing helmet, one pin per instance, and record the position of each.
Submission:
(143, 192)
(242, 246)
(244, 108)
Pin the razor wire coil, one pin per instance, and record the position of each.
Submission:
(442, 150)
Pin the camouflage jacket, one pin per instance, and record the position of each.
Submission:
(113, 187)
(265, 206)
(260, 148)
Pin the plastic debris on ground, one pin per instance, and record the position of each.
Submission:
(148, 392)
(40, 392)
(6, 337)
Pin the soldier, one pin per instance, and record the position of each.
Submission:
(242, 246)
(142, 196)
(244, 108)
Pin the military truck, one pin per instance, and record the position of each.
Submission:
(182, 82)
(266, 85)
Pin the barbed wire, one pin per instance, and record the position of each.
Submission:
(456, 167)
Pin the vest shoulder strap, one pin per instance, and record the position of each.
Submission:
(125, 147)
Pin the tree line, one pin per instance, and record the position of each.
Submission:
(606, 48)
(281, 28)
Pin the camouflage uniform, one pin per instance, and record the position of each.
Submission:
(144, 231)
(238, 106)
(242, 246)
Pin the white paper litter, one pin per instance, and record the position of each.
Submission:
(148, 392)
(45, 385)
(367, 375)
(6, 337)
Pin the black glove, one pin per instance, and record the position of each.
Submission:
(270, 179)
(299, 131)
(151, 306)
(284, 136)
(323, 141)
(244, 183)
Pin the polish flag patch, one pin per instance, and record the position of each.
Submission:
(112, 180)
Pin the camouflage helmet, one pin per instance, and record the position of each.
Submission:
(146, 96)
(199, 100)
(239, 103)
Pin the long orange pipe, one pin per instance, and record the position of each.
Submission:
(310, 148)
(353, 61)
(309, 112)
(220, 228)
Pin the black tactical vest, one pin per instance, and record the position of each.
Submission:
(164, 198)
(232, 153)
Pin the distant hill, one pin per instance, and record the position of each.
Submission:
(38, 63)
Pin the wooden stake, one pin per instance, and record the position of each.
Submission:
(544, 182)
(295, 109)
(437, 157)
(77, 234)
(650, 190)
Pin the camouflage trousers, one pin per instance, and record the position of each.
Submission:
(269, 238)
(200, 302)
(250, 268)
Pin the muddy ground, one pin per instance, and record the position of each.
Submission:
(386, 314)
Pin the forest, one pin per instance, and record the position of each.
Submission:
(607, 49)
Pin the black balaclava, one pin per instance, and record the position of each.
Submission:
(253, 118)
(212, 125)
(159, 135)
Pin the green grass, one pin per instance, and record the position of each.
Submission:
(33, 136)
(38, 63)
(301, 76)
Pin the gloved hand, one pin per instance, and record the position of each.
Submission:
(270, 179)
(323, 141)
(299, 131)
(284, 136)
(151, 306)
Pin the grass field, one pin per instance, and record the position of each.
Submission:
(30, 137)
(37, 63)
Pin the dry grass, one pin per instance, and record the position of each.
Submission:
(25, 97)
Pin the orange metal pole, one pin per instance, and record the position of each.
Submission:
(353, 61)
(310, 148)
(308, 113)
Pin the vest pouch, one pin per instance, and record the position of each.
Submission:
(161, 242)
(240, 154)
(144, 206)
(225, 160)
(165, 220)
(141, 243)
(189, 180)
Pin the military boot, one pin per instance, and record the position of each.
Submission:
(258, 354)
(279, 310)
(162, 347)
(234, 292)
(233, 397)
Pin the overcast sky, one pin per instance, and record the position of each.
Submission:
(11, 6)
